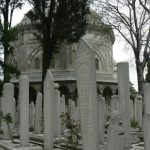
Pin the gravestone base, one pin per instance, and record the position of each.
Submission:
(8, 145)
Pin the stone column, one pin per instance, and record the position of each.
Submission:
(48, 111)
(146, 122)
(38, 114)
(24, 110)
(7, 106)
(86, 83)
(124, 95)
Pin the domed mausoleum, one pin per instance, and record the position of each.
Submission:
(27, 56)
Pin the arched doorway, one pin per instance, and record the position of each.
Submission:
(32, 95)
(64, 91)
(107, 93)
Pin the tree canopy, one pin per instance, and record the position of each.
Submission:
(7, 33)
(58, 22)
(131, 20)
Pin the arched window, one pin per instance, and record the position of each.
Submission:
(37, 63)
(97, 64)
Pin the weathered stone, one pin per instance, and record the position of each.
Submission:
(139, 111)
(102, 118)
(31, 115)
(48, 111)
(131, 109)
(57, 121)
(124, 96)
(87, 92)
(146, 122)
(72, 109)
(115, 135)
(38, 114)
(7, 106)
(24, 110)
(115, 103)
(62, 111)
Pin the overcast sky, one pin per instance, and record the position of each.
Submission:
(120, 51)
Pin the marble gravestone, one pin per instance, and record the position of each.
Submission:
(102, 118)
(31, 115)
(115, 135)
(146, 122)
(7, 106)
(38, 114)
(48, 110)
(124, 96)
(57, 120)
(139, 111)
(24, 110)
(87, 92)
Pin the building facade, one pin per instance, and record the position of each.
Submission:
(27, 56)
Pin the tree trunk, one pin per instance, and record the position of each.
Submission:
(140, 78)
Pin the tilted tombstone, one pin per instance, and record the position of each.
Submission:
(7, 107)
(38, 114)
(49, 98)
(24, 110)
(87, 92)
(102, 118)
(146, 122)
(124, 96)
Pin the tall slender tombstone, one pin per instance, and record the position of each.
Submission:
(86, 83)
(102, 118)
(48, 110)
(72, 109)
(124, 95)
(146, 122)
(131, 109)
(139, 111)
(7, 106)
(13, 113)
(115, 103)
(38, 114)
(62, 111)
(135, 109)
(62, 105)
(0, 112)
(57, 121)
(31, 114)
(24, 110)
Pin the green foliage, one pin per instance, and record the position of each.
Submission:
(134, 124)
(72, 136)
(58, 22)
(133, 92)
(7, 118)
(7, 33)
